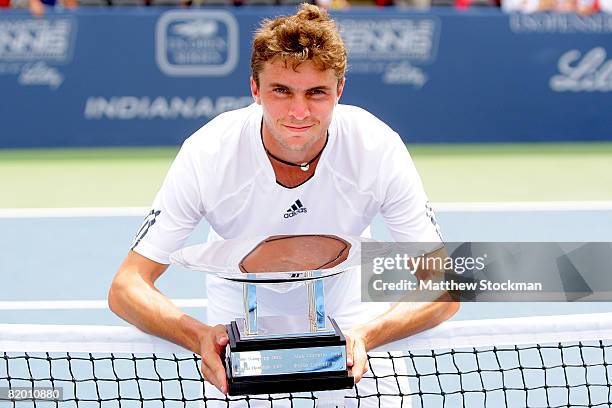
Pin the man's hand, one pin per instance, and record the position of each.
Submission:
(212, 348)
(356, 353)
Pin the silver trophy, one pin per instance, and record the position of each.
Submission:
(280, 354)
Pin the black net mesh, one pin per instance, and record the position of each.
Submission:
(557, 375)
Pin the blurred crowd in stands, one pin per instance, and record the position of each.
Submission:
(583, 7)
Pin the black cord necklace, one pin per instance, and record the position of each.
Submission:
(304, 166)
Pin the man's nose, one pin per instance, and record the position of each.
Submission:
(299, 107)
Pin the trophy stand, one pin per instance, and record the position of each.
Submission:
(316, 306)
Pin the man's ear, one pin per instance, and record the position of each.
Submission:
(340, 89)
(255, 91)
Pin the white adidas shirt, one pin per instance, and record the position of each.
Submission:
(222, 173)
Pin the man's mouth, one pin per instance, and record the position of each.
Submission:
(298, 128)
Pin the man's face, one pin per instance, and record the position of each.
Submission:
(297, 104)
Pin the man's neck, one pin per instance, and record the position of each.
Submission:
(292, 156)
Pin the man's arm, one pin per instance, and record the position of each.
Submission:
(134, 297)
(402, 319)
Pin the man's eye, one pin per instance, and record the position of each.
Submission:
(317, 92)
(281, 90)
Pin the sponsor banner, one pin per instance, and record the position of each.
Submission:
(395, 49)
(35, 51)
(591, 72)
(144, 108)
(31, 39)
(561, 23)
(197, 43)
(160, 74)
(486, 271)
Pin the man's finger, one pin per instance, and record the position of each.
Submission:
(349, 351)
(222, 381)
(214, 371)
(207, 374)
(222, 341)
(360, 365)
(221, 337)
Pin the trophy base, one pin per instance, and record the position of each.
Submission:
(297, 362)
(286, 383)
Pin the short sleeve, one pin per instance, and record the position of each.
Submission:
(176, 210)
(406, 209)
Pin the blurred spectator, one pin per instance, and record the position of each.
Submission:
(425, 4)
(199, 3)
(463, 4)
(525, 6)
(333, 4)
(37, 7)
(584, 7)
(418, 4)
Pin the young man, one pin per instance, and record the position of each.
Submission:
(295, 162)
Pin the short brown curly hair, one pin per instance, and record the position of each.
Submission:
(310, 34)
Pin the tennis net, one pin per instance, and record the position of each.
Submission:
(559, 361)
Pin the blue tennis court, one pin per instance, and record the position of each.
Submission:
(58, 268)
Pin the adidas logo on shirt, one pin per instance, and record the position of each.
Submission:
(295, 209)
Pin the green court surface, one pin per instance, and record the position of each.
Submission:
(118, 177)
